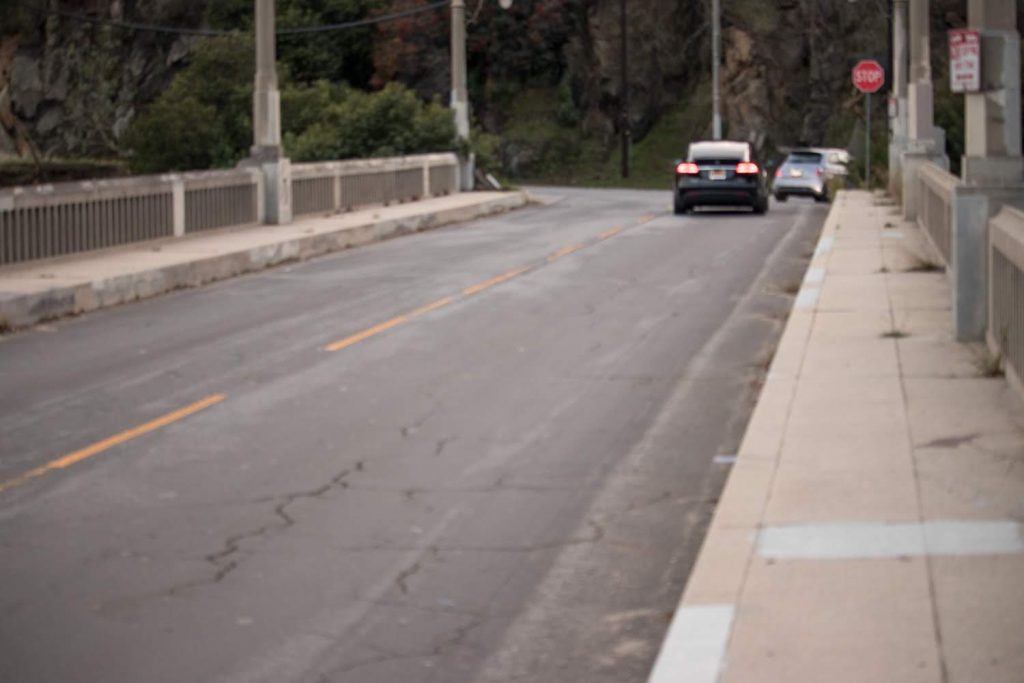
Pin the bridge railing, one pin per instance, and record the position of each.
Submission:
(334, 186)
(936, 195)
(1006, 287)
(65, 218)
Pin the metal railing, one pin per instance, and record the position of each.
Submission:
(334, 186)
(53, 220)
(1006, 287)
(65, 218)
(217, 199)
(935, 195)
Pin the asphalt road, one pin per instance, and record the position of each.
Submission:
(414, 461)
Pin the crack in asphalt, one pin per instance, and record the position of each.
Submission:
(230, 556)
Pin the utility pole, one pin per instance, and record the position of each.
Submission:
(624, 45)
(266, 150)
(460, 98)
(716, 51)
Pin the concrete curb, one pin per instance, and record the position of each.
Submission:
(695, 643)
(23, 310)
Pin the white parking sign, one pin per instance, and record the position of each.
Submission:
(964, 60)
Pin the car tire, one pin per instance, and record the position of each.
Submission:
(761, 206)
(823, 197)
(680, 209)
(779, 197)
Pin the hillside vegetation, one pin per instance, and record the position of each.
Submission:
(544, 81)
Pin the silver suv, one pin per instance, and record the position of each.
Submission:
(803, 173)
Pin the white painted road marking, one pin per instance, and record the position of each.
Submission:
(824, 246)
(866, 540)
(694, 648)
(814, 276)
(807, 298)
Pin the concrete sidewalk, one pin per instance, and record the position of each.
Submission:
(42, 290)
(870, 529)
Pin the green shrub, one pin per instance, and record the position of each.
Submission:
(204, 119)
(392, 121)
(176, 135)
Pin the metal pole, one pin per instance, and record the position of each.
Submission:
(867, 144)
(460, 106)
(460, 98)
(716, 50)
(625, 89)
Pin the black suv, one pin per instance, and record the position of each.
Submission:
(720, 173)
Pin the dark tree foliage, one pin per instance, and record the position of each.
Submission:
(505, 48)
(338, 56)
(204, 118)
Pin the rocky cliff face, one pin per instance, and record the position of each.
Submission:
(70, 87)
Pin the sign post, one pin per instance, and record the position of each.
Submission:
(868, 77)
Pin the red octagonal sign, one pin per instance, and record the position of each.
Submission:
(868, 75)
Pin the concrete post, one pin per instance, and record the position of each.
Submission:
(266, 118)
(460, 96)
(178, 206)
(266, 110)
(920, 113)
(898, 101)
(993, 115)
(968, 265)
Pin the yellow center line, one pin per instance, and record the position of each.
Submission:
(564, 251)
(432, 307)
(480, 286)
(117, 439)
(366, 334)
(611, 232)
(647, 218)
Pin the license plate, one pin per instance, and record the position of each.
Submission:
(716, 175)
(795, 172)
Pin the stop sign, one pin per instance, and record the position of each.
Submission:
(868, 75)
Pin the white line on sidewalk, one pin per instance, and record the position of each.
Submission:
(814, 276)
(824, 245)
(694, 648)
(807, 298)
(866, 540)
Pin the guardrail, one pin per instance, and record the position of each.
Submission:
(334, 186)
(1006, 287)
(936, 193)
(65, 218)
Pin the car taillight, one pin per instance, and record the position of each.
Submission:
(778, 172)
(746, 168)
(687, 168)
(818, 170)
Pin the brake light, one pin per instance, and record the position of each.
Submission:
(747, 168)
(818, 171)
(687, 168)
(778, 172)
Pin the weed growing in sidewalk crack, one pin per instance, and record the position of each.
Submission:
(924, 264)
(989, 364)
(894, 333)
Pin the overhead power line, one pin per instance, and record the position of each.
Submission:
(361, 22)
(323, 28)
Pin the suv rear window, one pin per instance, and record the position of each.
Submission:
(730, 161)
(804, 158)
